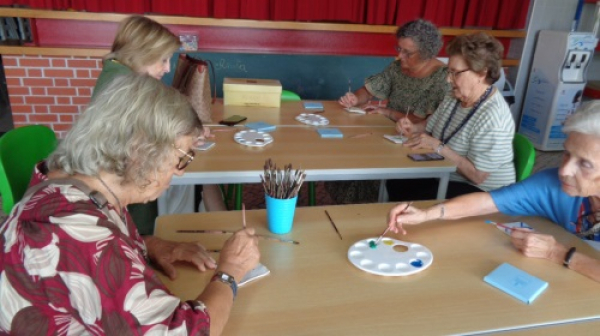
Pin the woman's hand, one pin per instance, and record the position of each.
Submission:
(535, 245)
(402, 214)
(165, 253)
(206, 133)
(422, 141)
(348, 100)
(240, 254)
(405, 127)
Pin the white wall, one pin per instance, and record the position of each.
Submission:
(587, 24)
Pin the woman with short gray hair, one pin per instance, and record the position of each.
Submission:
(568, 196)
(72, 258)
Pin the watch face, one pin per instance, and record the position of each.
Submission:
(226, 277)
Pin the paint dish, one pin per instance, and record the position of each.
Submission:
(312, 119)
(253, 138)
(390, 258)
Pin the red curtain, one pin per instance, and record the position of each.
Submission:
(496, 14)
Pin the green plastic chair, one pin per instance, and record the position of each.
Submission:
(289, 96)
(20, 150)
(524, 156)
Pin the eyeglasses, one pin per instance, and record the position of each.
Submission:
(185, 160)
(454, 74)
(405, 52)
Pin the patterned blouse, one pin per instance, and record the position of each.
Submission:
(421, 95)
(68, 268)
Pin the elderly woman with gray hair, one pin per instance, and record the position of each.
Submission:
(71, 258)
(415, 82)
(568, 196)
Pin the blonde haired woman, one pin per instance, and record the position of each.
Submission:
(144, 46)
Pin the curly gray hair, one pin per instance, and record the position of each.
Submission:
(425, 35)
(585, 120)
(128, 130)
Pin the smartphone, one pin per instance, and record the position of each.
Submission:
(425, 157)
(206, 145)
(233, 120)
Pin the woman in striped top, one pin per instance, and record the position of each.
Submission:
(473, 126)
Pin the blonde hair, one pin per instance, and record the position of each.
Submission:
(129, 130)
(141, 42)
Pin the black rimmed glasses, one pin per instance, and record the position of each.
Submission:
(454, 74)
(185, 160)
(405, 52)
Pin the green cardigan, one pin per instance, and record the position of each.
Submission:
(110, 70)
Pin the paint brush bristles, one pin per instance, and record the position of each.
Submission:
(282, 183)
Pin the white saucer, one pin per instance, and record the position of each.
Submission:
(253, 138)
(312, 119)
(385, 260)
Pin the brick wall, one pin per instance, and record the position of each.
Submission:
(49, 90)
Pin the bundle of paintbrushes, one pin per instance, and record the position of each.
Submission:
(282, 183)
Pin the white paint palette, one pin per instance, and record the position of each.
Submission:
(391, 257)
(312, 119)
(253, 138)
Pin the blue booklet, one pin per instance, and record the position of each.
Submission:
(261, 126)
(516, 282)
(330, 133)
(313, 105)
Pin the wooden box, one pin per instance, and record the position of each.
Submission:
(251, 92)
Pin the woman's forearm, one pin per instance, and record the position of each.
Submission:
(464, 166)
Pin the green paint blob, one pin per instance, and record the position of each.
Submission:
(372, 244)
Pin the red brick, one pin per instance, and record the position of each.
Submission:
(40, 108)
(22, 108)
(67, 73)
(95, 73)
(61, 82)
(38, 91)
(19, 118)
(59, 63)
(39, 100)
(13, 82)
(68, 118)
(82, 73)
(64, 109)
(63, 100)
(34, 73)
(15, 72)
(18, 90)
(84, 92)
(81, 100)
(9, 61)
(83, 82)
(43, 118)
(62, 127)
(34, 62)
(81, 63)
(16, 100)
(66, 91)
(37, 82)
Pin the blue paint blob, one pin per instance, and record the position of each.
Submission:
(372, 244)
(417, 263)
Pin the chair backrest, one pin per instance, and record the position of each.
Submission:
(524, 156)
(20, 150)
(289, 96)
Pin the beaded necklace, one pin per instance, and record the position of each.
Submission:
(466, 119)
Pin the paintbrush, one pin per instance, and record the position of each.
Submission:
(388, 228)
(243, 215)
(231, 231)
(333, 224)
(361, 135)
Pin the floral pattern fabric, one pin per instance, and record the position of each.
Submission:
(69, 268)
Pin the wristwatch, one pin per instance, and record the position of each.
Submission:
(226, 279)
(440, 147)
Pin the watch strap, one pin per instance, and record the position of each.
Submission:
(226, 279)
(568, 257)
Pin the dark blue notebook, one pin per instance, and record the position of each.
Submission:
(516, 282)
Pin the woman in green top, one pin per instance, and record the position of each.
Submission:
(415, 83)
(145, 46)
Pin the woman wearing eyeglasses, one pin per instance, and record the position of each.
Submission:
(568, 196)
(473, 126)
(414, 84)
(71, 258)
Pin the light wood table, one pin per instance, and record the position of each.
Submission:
(286, 114)
(314, 290)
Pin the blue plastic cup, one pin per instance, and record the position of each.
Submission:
(280, 214)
